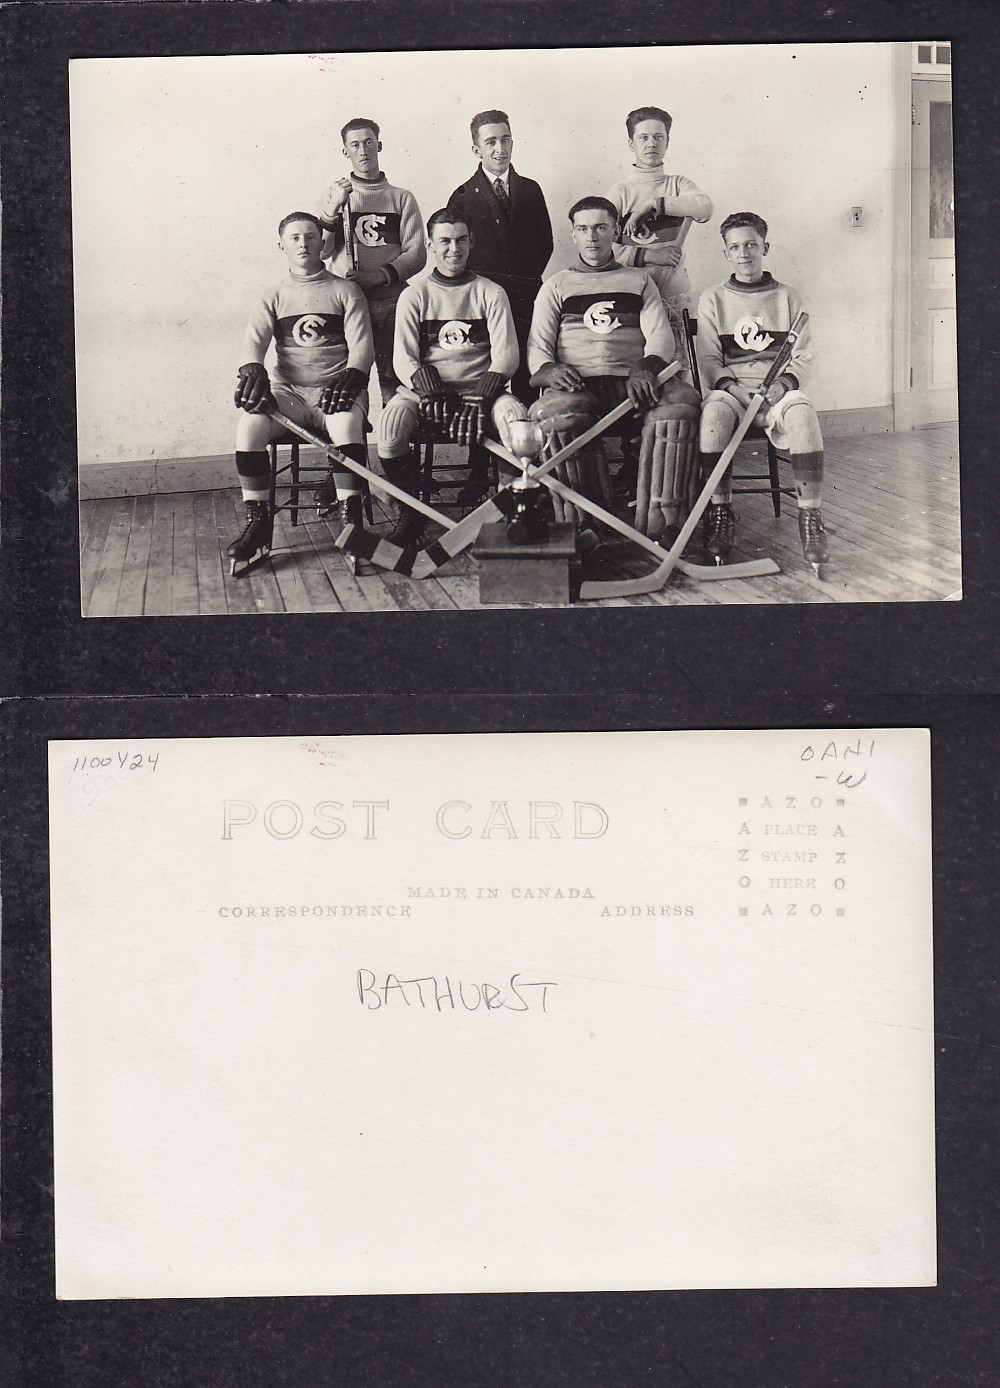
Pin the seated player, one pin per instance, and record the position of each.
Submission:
(600, 334)
(455, 352)
(385, 245)
(323, 342)
(655, 208)
(741, 327)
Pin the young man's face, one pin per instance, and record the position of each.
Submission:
(494, 147)
(594, 234)
(649, 143)
(450, 244)
(302, 243)
(745, 251)
(362, 147)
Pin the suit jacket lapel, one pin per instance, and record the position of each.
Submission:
(486, 183)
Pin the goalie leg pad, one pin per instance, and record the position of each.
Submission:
(667, 458)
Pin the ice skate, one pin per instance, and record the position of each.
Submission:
(815, 549)
(254, 543)
(354, 515)
(325, 495)
(719, 532)
(408, 525)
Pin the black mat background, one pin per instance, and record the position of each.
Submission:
(673, 667)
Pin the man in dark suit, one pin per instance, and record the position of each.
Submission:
(511, 240)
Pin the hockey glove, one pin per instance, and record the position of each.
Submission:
(557, 375)
(253, 390)
(469, 424)
(643, 391)
(436, 403)
(341, 394)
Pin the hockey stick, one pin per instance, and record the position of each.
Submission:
(459, 535)
(463, 534)
(352, 259)
(310, 436)
(652, 583)
(752, 568)
(356, 539)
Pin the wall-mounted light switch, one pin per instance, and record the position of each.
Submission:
(856, 217)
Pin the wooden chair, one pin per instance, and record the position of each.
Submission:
(435, 477)
(771, 477)
(299, 475)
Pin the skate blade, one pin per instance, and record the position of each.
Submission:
(248, 564)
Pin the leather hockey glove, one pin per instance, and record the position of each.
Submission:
(437, 404)
(557, 375)
(468, 425)
(253, 389)
(643, 392)
(341, 393)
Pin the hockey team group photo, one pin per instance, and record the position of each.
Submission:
(440, 331)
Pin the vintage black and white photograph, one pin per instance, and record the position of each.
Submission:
(415, 331)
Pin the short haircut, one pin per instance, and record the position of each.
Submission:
(642, 113)
(299, 217)
(744, 219)
(359, 123)
(596, 205)
(446, 214)
(487, 118)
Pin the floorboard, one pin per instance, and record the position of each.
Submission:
(891, 504)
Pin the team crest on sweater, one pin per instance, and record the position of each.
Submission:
(603, 314)
(598, 317)
(376, 228)
(453, 334)
(310, 330)
(662, 228)
(751, 335)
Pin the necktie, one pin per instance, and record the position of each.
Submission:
(502, 193)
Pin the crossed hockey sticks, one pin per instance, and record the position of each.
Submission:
(459, 535)
(652, 583)
(752, 568)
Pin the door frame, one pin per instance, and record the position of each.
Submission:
(902, 212)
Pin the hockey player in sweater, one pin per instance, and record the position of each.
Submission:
(656, 209)
(323, 343)
(741, 326)
(386, 244)
(456, 350)
(600, 334)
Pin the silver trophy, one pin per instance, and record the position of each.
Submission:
(529, 523)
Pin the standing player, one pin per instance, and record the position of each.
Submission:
(455, 352)
(600, 334)
(656, 209)
(320, 329)
(741, 327)
(511, 241)
(386, 244)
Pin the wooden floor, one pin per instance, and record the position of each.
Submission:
(890, 503)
